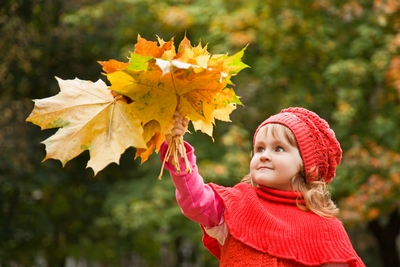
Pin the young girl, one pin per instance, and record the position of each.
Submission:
(281, 213)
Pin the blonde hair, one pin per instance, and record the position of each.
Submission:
(316, 195)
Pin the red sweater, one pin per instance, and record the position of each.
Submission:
(268, 221)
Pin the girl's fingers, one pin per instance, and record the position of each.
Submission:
(185, 122)
(178, 131)
(180, 125)
(177, 115)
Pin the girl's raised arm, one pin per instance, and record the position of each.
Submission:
(197, 200)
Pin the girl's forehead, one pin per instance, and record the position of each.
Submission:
(270, 132)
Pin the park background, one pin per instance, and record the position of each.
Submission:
(340, 59)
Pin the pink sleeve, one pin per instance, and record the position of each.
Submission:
(197, 200)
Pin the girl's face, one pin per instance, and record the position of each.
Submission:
(276, 160)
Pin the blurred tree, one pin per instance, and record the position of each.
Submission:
(49, 213)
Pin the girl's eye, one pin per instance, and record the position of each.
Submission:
(259, 149)
(279, 149)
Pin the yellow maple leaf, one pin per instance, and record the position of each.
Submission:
(157, 96)
(151, 132)
(89, 118)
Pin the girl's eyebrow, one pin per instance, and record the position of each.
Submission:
(281, 142)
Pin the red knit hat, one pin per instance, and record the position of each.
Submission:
(319, 148)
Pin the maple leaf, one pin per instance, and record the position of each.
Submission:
(89, 118)
(137, 109)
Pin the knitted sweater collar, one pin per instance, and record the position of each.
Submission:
(279, 196)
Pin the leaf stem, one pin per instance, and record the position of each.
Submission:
(176, 149)
(166, 158)
(187, 163)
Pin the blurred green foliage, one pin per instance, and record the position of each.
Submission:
(332, 57)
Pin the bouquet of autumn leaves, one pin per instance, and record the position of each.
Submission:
(137, 109)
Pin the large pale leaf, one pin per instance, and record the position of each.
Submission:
(90, 118)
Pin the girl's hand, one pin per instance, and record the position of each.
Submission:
(180, 125)
(176, 148)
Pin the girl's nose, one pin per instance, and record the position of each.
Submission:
(265, 156)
